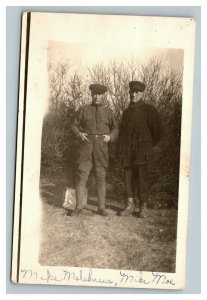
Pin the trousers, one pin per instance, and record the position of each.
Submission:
(82, 175)
(136, 182)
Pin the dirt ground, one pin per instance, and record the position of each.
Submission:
(113, 242)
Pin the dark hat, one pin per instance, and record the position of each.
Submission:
(98, 88)
(137, 86)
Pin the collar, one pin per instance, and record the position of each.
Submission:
(96, 105)
(133, 104)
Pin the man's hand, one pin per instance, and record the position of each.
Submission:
(106, 138)
(83, 136)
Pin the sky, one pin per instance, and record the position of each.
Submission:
(81, 55)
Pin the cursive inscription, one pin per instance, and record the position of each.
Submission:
(29, 274)
(125, 278)
(85, 277)
(49, 277)
(68, 276)
(160, 278)
(89, 276)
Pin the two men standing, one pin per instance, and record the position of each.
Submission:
(139, 131)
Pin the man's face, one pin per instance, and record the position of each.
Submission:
(96, 98)
(134, 96)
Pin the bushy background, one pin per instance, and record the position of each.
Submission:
(69, 91)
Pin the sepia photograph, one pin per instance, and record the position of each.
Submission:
(105, 119)
(103, 170)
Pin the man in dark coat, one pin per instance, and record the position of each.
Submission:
(96, 127)
(140, 130)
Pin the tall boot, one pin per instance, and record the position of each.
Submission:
(142, 211)
(101, 191)
(80, 190)
(129, 208)
(137, 205)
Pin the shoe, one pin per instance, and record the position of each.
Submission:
(135, 214)
(75, 212)
(137, 205)
(67, 213)
(129, 208)
(142, 214)
(102, 212)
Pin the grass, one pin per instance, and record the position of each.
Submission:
(109, 242)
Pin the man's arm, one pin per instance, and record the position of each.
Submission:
(76, 124)
(155, 125)
(114, 128)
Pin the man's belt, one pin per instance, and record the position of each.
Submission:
(136, 139)
(98, 135)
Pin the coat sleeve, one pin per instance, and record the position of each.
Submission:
(76, 124)
(113, 127)
(155, 125)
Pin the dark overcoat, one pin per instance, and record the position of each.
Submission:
(140, 130)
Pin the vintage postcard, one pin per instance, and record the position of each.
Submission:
(103, 150)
